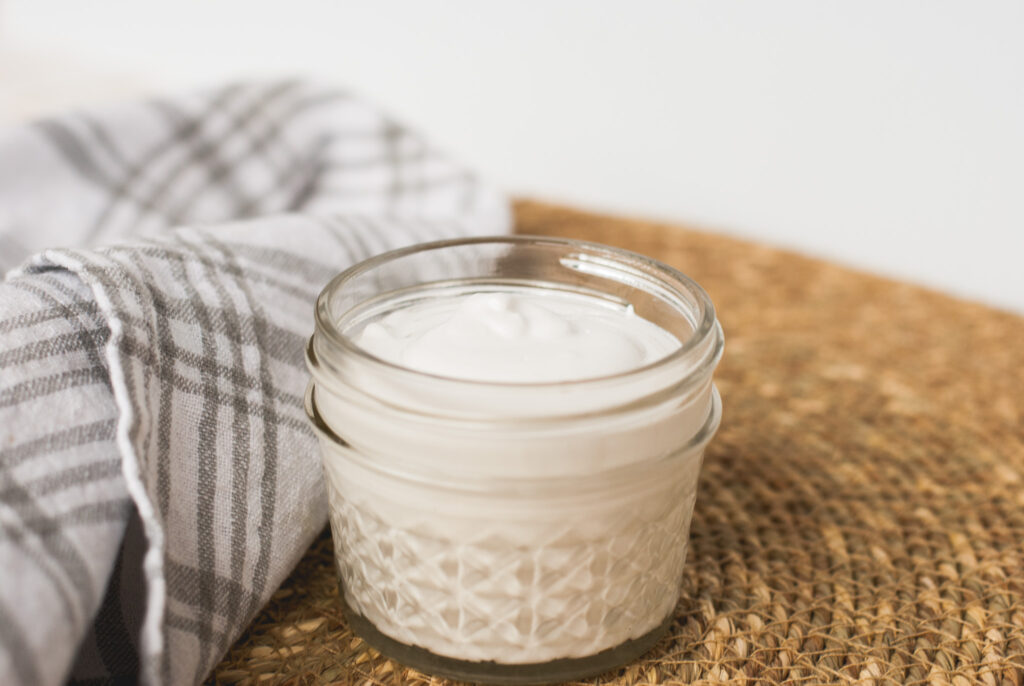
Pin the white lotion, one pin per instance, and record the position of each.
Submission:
(526, 336)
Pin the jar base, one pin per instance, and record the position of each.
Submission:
(553, 671)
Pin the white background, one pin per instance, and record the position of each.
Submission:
(887, 135)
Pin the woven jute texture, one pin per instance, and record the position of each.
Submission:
(861, 511)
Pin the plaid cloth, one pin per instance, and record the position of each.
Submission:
(158, 479)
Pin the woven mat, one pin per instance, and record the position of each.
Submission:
(861, 511)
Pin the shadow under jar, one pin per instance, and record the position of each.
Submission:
(512, 532)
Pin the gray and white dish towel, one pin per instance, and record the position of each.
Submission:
(158, 479)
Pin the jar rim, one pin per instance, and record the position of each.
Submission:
(705, 323)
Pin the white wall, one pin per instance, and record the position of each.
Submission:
(888, 135)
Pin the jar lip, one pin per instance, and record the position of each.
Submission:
(706, 324)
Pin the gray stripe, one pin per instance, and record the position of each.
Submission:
(83, 129)
(134, 175)
(165, 251)
(206, 150)
(50, 534)
(240, 454)
(17, 536)
(82, 160)
(28, 319)
(287, 262)
(282, 343)
(183, 582)
(311, 172)
(164, 365)
(179, 382)
(56, 278)
(206, 477)
(53, 526)
(167, 372)
(12, 636)
(99, 132)
(176, 621)
(73, 314)
(76, 153)
(35, 389)
(306, 178)
(258, 142)
(61, 344)
(268, 411)
(74, 437)
(73, 477)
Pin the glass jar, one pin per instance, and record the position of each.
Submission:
(511, 532)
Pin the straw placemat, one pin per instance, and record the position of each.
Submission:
(861, 511)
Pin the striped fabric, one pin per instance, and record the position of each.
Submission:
(158, 479)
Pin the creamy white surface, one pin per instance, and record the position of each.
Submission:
(521, 336)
